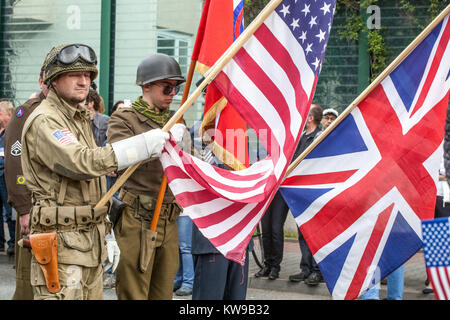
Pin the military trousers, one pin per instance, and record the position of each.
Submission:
(156, 283)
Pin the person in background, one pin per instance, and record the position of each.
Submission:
(94, 103)
(6, 111)
(184, 280)
(328, 116)
(18, 194)
(310, 272)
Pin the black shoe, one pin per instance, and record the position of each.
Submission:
(184, 291)
(10, 251)
(264, 272)
(298, 277)
(274, 274)
(314, 279)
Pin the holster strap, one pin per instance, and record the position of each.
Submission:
(45, 250)
(128, 198)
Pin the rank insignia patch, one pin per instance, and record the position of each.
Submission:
(16, 149)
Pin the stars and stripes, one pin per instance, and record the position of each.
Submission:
(436, 247)
(360, 195)
(270, 82)
(64, 136)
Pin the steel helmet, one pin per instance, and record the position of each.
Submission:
(67, 58)
(158, 66)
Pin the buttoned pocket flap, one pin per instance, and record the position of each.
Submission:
(83, 214)
(66, 216)
(48, 216)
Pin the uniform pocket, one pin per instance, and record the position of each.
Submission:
(66, 216)
(83, 215)
(48, 216)
(78, 240)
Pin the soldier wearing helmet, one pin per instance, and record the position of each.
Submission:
(65, 172)
(143, 273)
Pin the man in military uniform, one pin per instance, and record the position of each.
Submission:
(19, 197)
(140, 275)
(64, 170)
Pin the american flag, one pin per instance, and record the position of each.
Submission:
(436, 247)
(64, 136)
(270, 82)
(361, 193)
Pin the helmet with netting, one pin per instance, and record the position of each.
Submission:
(54, 68)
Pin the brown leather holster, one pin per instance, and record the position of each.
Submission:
(45, 250)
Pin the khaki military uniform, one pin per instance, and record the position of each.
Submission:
(19, 197)
(139, 276)
(64, 170)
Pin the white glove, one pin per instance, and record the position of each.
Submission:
(155, 140)
(139, 148)
(113, 252)
(178, 131)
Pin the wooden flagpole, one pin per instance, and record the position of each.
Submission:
(369, 89)
(211, 74)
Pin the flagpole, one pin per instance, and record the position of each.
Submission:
(369, 89)
(211, 74)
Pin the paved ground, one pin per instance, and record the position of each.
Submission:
(264, 289)
(415, 275)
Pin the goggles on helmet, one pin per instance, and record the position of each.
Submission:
(71, 53)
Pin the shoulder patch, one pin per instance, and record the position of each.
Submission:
(16, 149)
(20, 180)
(64, 136)
(19, 112)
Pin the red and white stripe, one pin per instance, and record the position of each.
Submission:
(440, 280)
(270, 84)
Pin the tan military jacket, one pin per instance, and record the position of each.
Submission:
(146, 180)
(57, 141)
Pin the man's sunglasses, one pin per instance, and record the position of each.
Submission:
(71, 53)
(167, 88)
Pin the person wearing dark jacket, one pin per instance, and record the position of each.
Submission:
(310, 272)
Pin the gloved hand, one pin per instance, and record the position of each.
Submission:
(178, 131)
(139, 147)
(155, 140)
(113, 252)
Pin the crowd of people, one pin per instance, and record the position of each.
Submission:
(59, 154)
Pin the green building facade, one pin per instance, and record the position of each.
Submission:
(124, 32)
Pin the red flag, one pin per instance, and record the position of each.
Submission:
(221, 125)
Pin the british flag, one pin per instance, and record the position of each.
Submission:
(361, 193)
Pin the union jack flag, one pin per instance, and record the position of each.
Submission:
(270, 82)
(436, 247)
(360, 195)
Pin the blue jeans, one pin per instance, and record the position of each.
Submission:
(394, 286)
(185, 274)
(6, 215)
